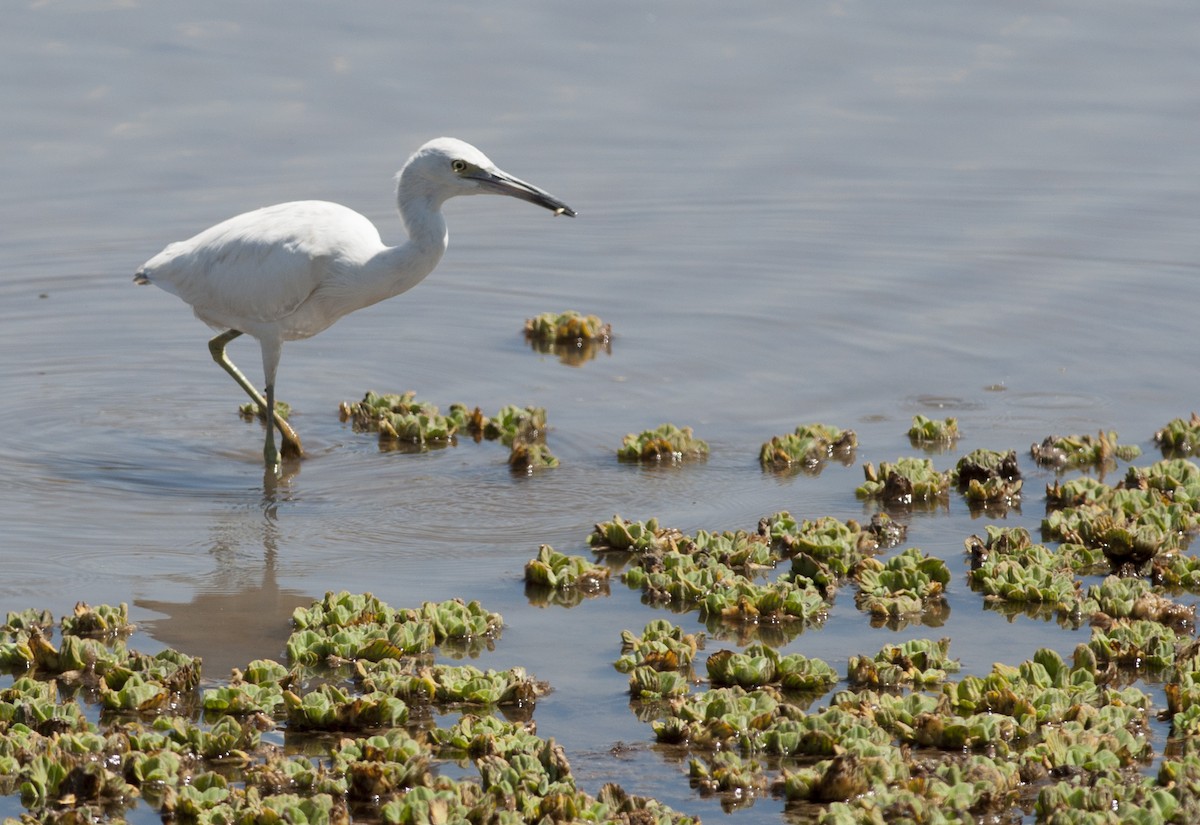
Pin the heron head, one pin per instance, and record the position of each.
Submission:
(446, 167)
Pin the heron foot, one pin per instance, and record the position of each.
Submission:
(291, 448)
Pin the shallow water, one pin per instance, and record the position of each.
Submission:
(845, 213)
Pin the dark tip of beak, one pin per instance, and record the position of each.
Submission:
(504, 184)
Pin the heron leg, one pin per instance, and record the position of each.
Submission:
(291, 441)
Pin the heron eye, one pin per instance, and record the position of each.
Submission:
(459, 166)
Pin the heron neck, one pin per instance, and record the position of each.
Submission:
(400, 268)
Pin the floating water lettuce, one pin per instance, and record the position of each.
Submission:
(528, 457)
(243, 699)
(867, 769)
(1032, 575)
(99, 621)
(648, 684)
(522, 430)
(908, 583)
(760, 665)
(988, 476)
(1117, 598)
(1150, 512)
(1136, 643)
(721, 592)
(67, 768)
(1179, 437)
(807, 447)
(557, 570)
(622, 536)
(403, 418)
(930, 431)
(567, 327)
(1061, 452)
(907, 481)
(667, 443)
(346, 627)
(830, 540)
(727, 774)
(662, 646)
(251, 410)
(331, 708)
(575, 338)
(916, 662)
(448, 684)
(824, 552)
(378, 766)
(719, 718)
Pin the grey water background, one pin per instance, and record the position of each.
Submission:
(839, 212)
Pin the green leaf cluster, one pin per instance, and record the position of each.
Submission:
(807, 447)
(665, 444)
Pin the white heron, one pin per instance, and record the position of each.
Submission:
(286, 272)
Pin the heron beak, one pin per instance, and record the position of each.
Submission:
(502, 183)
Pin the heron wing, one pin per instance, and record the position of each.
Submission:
(261, 266)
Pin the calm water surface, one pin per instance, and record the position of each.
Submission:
(848, 213)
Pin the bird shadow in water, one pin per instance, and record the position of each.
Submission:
(238, 613)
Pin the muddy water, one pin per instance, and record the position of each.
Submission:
(842, 214)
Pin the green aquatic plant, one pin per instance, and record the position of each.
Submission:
(1117, 598)
(343, 609)
(807, 447)
(134, 694)
(985, 476)
(907, 481)
(951, 791)
(1182, 690)
(331, 708)
(719, 718)
(1061, 452)
(522, 430)
(575, 338)
(1176, 570)
(378, 766)
(251, 410)
(243, 699)
(1014, 544)
(529, 457)
(917, 662)
(23, 621)
(622, 536)
(567, 327)
(721, 592)
(217, 768)
(648, 684)
(1149, 513)
(345, 627)
(760, 665)
(662, 646)
(226, 741)
(909, 582)
(1179, 437)
(1032, 576)
(1135, 643)
(553, 569)
(931, 431)
(866, 769)
(728, 774)
(833, 545)
(513, 422)
(448, 684)
(667, 443)
(100, 621)
(403, 418)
